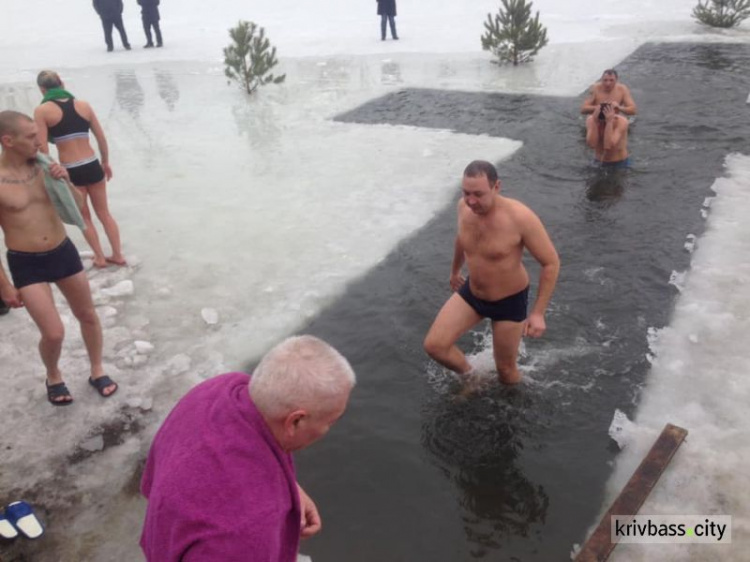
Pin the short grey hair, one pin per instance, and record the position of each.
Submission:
(300, 372)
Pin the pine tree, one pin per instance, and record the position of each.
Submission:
(248, 59)
(722, 13)
(513, 36)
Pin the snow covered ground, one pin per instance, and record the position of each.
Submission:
(257, 213)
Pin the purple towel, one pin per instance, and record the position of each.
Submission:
(219, 486)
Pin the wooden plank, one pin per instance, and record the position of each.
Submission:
(599, 545)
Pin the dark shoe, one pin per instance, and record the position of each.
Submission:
(4, 308)
(101, 383)
(127, 47)
(395, 38)
(160, 44)
(56, 392)
(148, 46)
(110, 49)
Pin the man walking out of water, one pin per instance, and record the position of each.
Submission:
(609, 90)
(493, 231)
(219, 478)
(110, 12)
(40, 253)
(607, 134)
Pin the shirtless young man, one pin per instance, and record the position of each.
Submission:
(493, 231)
(609, 90)
(40, 253)
(66, 121)
(607, 134)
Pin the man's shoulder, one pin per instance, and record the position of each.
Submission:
(622, 87)
(519, 212)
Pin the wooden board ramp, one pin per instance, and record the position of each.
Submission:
(599, 545)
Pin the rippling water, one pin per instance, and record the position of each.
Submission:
(423, 473)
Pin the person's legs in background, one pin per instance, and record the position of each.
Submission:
(392, 21)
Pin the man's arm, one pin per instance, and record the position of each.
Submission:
(310, 523)
(614, 131)
(589, 104)
(628, 106)
(10, 295)
(592, 130)
(456, 279)
(538, 242)
(101, 141)
(42, 131)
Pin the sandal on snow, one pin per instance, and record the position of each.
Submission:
(7, 530)
(101, 383)
(22, 517)
(57, 391)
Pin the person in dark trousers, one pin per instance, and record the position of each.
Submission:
(387, 13)
(110, 12)
(150, 17)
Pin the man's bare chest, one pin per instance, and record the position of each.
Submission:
(20, 196)
(490, 242)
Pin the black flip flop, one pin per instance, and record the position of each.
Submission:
(101, 383)
(58, 390)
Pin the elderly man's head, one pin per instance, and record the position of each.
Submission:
(301, 388)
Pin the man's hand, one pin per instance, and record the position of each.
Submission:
(310, 524)
(609, 113)
(11, 296)
(107, 171)
(58, 172)
(456, 281)
(535, 325)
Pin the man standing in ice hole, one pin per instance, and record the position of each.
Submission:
(40, 253)
(493, 231)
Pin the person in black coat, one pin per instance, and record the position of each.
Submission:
(110, 12)
(150, 17)
(387, 13)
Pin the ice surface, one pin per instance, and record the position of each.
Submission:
(263, 210)
(210, 316)
(699, 381)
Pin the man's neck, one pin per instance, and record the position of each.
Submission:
(13, 161)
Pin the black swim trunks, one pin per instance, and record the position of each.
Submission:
(510, 309)
(85, 172)
(28, 268)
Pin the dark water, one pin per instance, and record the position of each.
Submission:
(414, 472)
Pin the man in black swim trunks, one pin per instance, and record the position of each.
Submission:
(40, 253)
(493, 231)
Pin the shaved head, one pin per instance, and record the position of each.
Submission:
(9, 122)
